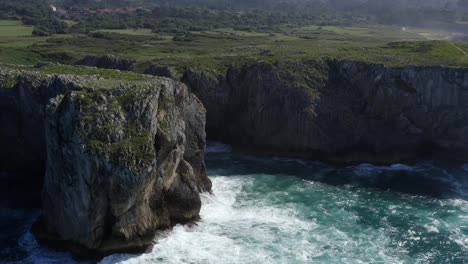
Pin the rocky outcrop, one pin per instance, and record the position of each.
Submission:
(162, 71)
(107, 62)
(339, 111)
(22, 116)
(122, 159)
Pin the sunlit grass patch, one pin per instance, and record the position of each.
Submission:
(138, 31)
(219, 48)
(13, 28)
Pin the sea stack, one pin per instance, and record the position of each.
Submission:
(122, 159)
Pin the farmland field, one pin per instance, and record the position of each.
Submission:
(12, 28)
(218, 48)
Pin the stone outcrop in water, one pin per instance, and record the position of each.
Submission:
(339, 111)
(122, 159)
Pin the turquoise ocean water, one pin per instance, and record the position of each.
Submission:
(275, 210)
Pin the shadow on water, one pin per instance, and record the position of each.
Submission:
(20, 201)
(429, 178)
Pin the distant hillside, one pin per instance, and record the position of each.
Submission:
(437, 14)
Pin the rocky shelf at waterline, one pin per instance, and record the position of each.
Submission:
(122, 154)
(339, 111)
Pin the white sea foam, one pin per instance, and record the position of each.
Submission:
(216, 147)
(401, 167)
(431, 228)
(237, 229)
(465, 167)
(265, 218)
(40, 255)
(458, 237)
(367, 169)
(229, 233)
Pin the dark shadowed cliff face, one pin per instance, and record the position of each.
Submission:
(22, 115)
(339, 111)
(107, 62)
(122, 159)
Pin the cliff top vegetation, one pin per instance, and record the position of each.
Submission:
(206, 35)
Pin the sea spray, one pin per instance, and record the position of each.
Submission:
(274, 210)
(295, 216)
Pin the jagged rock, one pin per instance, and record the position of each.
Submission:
(107, 62)
(123, 159)
(162, 71)
(340, 111)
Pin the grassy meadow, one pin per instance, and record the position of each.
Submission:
(218, 48)
(12, 28)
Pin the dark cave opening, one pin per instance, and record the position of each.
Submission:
(22, 151)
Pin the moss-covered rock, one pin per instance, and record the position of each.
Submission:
(123, 157)
(162, 71)
(107, 62)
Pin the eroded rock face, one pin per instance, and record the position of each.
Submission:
(107, 62)
(122, 159)
(162, 71)
(22, 101)
(340, 111)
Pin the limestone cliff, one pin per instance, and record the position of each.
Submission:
(107, 62)
(340, 111)
(122, 159)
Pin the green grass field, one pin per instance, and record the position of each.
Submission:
(15, 39)
(140, 31)
(11, 28)
(219, 48)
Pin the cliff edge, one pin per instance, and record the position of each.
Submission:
(339, 111)
(121, 158)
